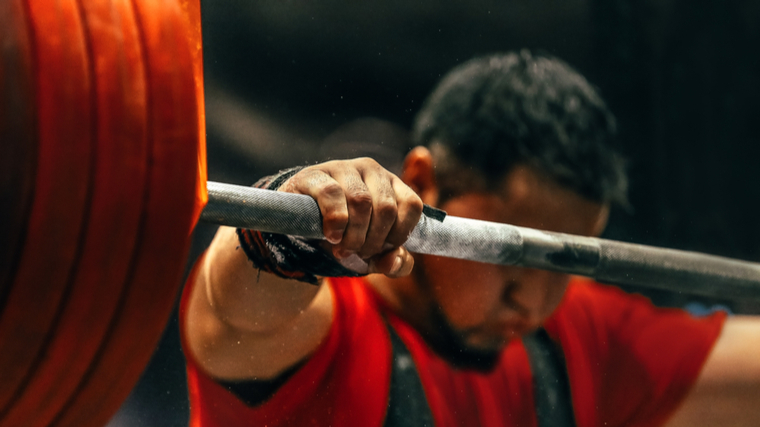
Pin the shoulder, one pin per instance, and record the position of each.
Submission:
(611, 338)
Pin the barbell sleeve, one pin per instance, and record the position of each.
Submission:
(605, 260)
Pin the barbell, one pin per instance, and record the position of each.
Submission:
(102, 156)
(605, 260)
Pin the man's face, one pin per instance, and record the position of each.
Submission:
(481, 307)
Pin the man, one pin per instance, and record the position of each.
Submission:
(512, 138)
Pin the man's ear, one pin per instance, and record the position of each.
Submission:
(601, 221)
(419, 174)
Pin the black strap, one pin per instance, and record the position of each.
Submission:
(551, 388)
(407, 405)
(256, 392)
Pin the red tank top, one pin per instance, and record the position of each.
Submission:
(628, 363)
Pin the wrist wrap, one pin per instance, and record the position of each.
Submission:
(287, 256)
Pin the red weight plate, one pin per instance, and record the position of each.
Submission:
(61, 193)
(113, 222)
(167, 221)
(18, 139)
(192, 10)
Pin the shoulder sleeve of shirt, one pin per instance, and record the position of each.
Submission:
(629, 362)
(323, 389)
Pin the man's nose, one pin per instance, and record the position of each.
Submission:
(526, 296)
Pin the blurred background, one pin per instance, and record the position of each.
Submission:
(294, 82)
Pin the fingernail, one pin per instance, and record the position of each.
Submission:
(335, 237)
(396, 267)
(343, 254)
(336, 252)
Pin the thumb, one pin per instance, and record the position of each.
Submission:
(395, 263)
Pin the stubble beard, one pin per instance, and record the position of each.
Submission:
(452, 346)
(448, 342)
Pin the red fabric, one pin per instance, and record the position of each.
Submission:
(344, 383)
(629, 365)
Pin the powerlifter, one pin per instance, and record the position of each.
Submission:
(280, 331)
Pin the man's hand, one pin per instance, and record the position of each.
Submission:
(367, 212)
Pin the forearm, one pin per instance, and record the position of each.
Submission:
(241, 324)
(245, 297)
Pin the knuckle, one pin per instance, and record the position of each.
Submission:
(368, 162)
(413, 208)
(335, 218)
(415, 205)
(386, 209)
(360, 200)
(330, 188)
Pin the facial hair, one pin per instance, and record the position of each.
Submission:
(450, 344)
(447, 341)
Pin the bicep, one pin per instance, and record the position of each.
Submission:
(244, 324)
(727, 391)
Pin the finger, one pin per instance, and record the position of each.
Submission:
(396, 263)
(328, 194)
(358, 200)
(384, 211)
(409, 210)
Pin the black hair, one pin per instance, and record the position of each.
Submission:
(496, 111)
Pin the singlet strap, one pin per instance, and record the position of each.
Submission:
(407, 404)
(551, 387)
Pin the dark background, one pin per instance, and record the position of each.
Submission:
(682, 77)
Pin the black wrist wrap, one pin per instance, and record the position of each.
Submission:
(287, 256)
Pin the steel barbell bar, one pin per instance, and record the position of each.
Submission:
(605, 260)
